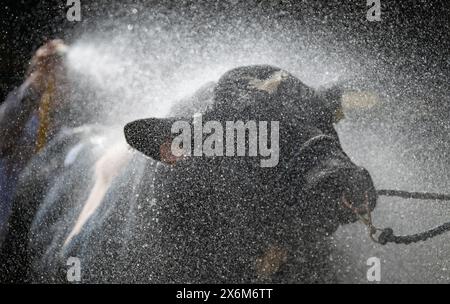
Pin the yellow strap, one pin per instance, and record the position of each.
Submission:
(44, 115)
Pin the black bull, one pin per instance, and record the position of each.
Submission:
(226, 217)
(222, 219)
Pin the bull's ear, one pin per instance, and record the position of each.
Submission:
(149, 136)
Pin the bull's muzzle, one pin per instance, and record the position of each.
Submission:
(354, 184)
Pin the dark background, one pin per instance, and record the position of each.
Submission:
(419, 29)
(411, 47)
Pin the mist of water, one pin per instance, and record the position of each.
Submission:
(138, 69)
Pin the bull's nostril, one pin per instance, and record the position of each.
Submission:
(358, 207)
(345, 201)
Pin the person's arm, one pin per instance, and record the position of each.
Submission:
(20, 103)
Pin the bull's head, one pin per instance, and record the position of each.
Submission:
(309, 145)
(314, 173)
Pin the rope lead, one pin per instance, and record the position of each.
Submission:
(415, 195)
(387, 234)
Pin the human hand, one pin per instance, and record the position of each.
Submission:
(46, 64)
